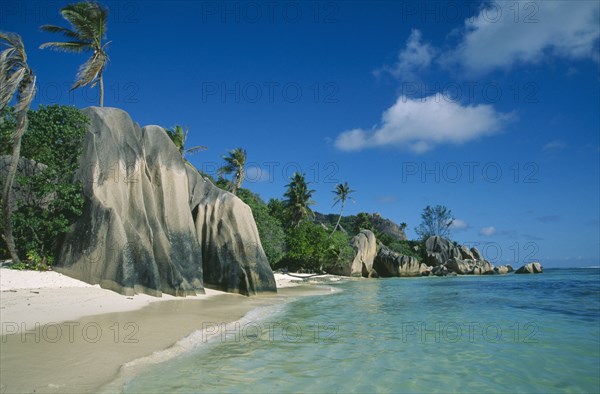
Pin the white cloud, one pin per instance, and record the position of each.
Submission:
(554, 145)
(487, 231)
(505, 33)
(415, 56)
(459, 225)
(421, 124)
(257, 174)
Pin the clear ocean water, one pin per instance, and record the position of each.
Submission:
(511, 333)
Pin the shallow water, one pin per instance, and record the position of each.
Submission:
(512, 333)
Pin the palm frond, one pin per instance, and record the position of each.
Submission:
(10, 82)
(69, 46)
(13, 40)
(26, 93)
(90, 70)
(79, 17)
(63, 30)
(195, 149)
(15, 74)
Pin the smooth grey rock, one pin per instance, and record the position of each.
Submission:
(390, 264)
(365, 249)
(137, 232)
(469, 267)
(503, 269)
(467, 254)
(232, 254)
(530, 268)
(439, 250)
(386, 263)
(476, 253)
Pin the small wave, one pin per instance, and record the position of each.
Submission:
(193, 341)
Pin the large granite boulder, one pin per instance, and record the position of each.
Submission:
(440, 250)
(530, 268)
(467, 254)
(137, 232)
(458, 259)
(469, 267)
(389, 264)
(233, 257)
(365, 249)
(503, 269)
(476, 253)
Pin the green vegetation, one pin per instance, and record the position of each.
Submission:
(179, 137)
(310, 247)
(234, 164)
(88, 20)
(436, 222)
(16, 78)
(50, 200)
(270, 228)
(298, 200)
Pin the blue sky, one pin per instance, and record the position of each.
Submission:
(490, 109)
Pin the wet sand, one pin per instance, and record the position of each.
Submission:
(83, 355)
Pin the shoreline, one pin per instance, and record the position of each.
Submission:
(61, 335)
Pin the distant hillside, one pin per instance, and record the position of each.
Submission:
(373, 221)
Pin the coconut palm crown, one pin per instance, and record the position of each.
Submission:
(88, 22)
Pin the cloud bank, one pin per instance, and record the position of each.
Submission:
(421, 124)
(505, 33)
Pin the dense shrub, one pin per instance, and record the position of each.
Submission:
(306, 246)
(54, 138)
(407, 248)
(310, 247)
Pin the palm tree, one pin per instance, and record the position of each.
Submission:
(299, 199)
(234, 163)
(179, 137)
(15, 77)
(342, 193)
(88, 20)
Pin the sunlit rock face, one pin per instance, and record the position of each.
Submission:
(138, 232)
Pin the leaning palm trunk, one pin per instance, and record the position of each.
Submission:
(101, 87)
(10, 177)
(338, 221)
(238, 181)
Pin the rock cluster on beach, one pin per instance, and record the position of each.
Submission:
(153, 224)
(530, 268)
(441, 258)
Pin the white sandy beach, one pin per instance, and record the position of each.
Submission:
(49, 319)
(30, 297)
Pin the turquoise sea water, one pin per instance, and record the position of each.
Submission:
(512, 333)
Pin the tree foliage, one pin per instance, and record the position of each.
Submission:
(436, 222)
(310, 247)
(88, 22)
(298, 200)
(363, 222)
(55, 139)
(234, 164)
(179, 137)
